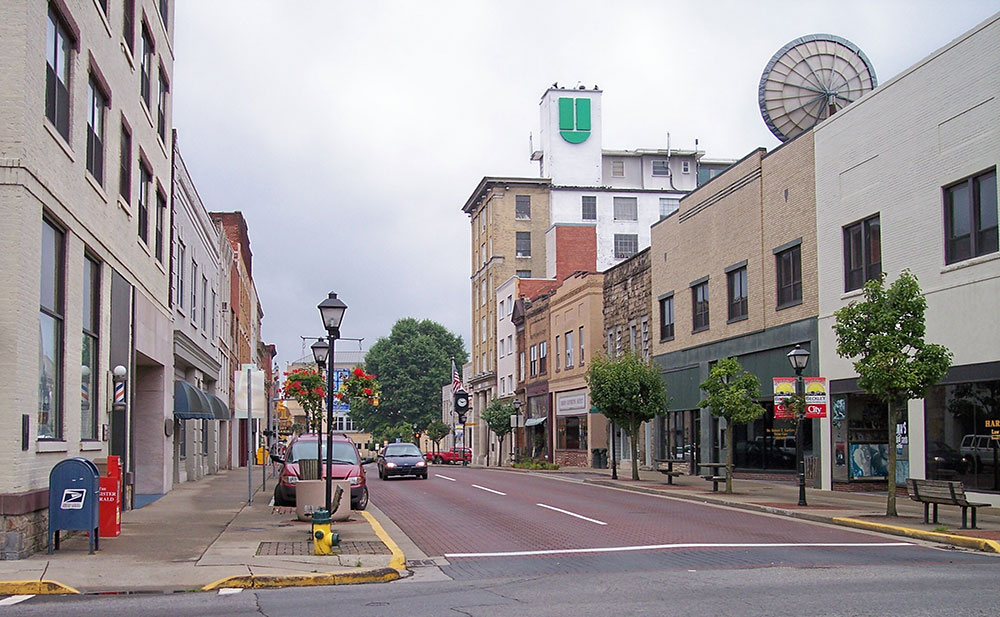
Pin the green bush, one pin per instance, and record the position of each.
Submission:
(535, 465)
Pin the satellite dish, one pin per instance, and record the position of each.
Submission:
(809, 80)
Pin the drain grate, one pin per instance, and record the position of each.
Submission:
(364, 548)
(420, 563)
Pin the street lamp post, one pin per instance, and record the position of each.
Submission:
(332, 311)
(320, 350)
(799, 358)
(516, 441)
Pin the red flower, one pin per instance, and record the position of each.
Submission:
(368, 391)
(358, 372)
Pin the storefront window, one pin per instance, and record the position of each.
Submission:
(768, 443)
(571, 433)
(963, 434)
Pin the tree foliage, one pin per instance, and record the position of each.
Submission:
(884, 334)
(412, 364)
(497, 417)
(731, 393)
(436, 431)
(307, 388)
(628, 391)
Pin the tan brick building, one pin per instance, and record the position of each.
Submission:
(734, 274)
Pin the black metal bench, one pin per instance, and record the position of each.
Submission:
(717, 473)
(942, 492)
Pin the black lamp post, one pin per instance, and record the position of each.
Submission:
(320, 350)
(516, 441)
(799, 358)
(332, 312)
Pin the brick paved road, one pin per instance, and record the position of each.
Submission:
(462, 517)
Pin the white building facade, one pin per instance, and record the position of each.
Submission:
(906, 179)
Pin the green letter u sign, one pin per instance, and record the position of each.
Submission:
(574, 127)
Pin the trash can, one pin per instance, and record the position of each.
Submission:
(600, 456)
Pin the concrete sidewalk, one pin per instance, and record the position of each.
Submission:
(204, 535)
(862, 510)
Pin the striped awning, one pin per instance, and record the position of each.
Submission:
(190, 403)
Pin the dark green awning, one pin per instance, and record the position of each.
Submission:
(219, 408)
(191, 403)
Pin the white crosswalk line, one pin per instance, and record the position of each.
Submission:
(227, 591)
(659, 547)
(12, 600)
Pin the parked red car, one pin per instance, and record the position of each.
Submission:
(347, 464)
(455, 455)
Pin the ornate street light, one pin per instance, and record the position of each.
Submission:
(799, 358)
(332, 312)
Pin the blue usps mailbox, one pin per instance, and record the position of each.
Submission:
(74, 491)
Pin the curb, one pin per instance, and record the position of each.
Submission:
(398, 561)
(980, 544)
(38, 588)
(250, 581)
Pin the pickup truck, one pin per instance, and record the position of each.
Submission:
(455, 455)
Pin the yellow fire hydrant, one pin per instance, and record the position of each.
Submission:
(324, 539)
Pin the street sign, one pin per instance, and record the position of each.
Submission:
(816, 394)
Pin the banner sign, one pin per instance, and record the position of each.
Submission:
(817, 397)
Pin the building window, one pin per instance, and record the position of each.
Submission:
(161, 108)
(862, 253)
(522, 206)
(164, 12)
(50, 331)
(660, 168)
(204, 302)
(626, 245)
(558, 354)
(611, 344)
(482, 329)
(89, 394)
(699, 302)
(789, 264)
(686, 167)
(503, 347)
(510, 344)
(589, 204)
(501, 313)
(182, 439)
(524, 274)
(523, 248)
(482, 292)
(213, 314)
(194, 292)
(618, 169)
(161, 213)
(970, 217)
(510, 304)
(128, 25)
(145, 188)
(668, 205)
(626, 209)
(520, 374)
(98, 105)
(581, 345)
(737, 294)
(125, 173)
(569, 349)
(571, 433)
(645, 338)
(58, 47)
(543, 354)
(145, 80)
(533, 366)
(180, 274)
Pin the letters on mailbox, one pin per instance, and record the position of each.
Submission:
(73, 500)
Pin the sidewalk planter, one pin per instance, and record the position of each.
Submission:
(342, 511)
(310, 495)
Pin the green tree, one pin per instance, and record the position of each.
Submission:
(308, 388)
(436, 431)
(885, 335)
(628, 391)
(497, 416)
(390, 433)
(731, 393)
(412, 364)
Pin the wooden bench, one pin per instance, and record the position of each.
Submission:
(942, 492)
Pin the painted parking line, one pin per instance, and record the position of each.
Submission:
(228, 591)
(660, 547)
(444, 477)
(483, 488)
(580, 516)
(12, 600)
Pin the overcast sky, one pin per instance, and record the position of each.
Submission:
(350, 134)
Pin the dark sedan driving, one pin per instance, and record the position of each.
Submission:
(401, 459)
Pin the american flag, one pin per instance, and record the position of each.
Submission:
(456, 379)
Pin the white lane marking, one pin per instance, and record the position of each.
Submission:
(483, 488)
(592, 520)
(226, 591)
(444, 477)
(658, 547)
(12, 600)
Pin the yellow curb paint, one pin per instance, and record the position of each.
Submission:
(379, 575)
(24, 588)
(988, 546)
(398, 561)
